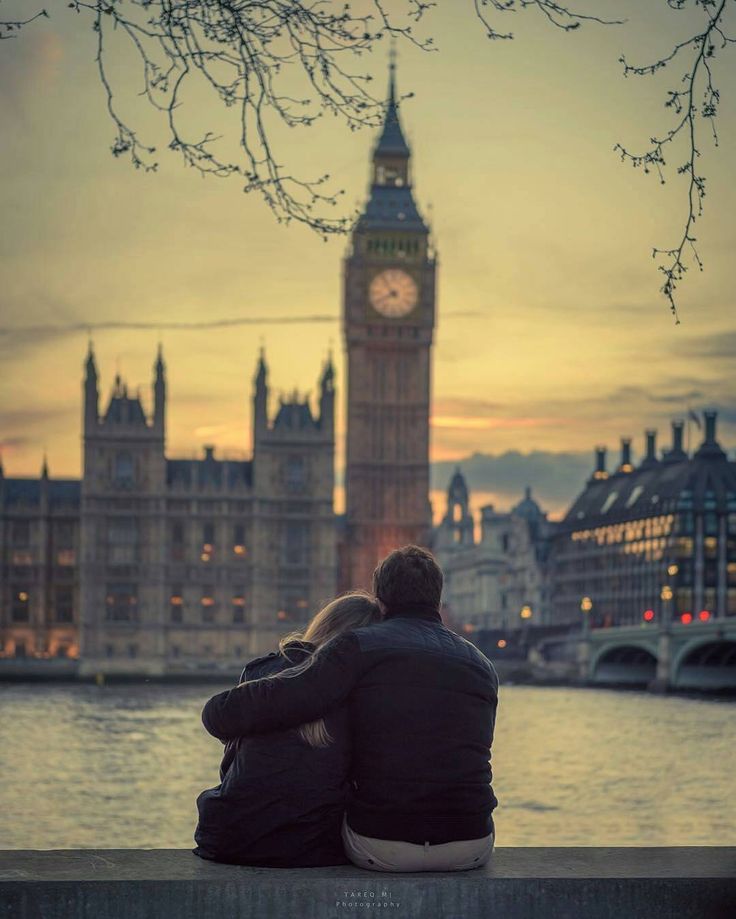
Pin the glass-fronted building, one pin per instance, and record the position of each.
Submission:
(650, 543)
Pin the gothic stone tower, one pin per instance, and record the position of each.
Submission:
(388, 324)
(122, 537)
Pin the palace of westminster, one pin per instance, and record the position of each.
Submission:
(162, 566)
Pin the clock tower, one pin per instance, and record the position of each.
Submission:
(388, 324)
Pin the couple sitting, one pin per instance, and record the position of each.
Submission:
(367, 737)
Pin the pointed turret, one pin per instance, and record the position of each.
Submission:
(260, 397)
(45, 468)
(90, 389)
(457, 528)
(159, 392)
(327, 396)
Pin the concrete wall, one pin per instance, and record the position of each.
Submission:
(518, 883)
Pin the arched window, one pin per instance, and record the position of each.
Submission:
(123, 469)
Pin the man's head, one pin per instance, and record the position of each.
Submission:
(408, 578)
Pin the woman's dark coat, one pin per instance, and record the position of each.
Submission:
(280, 803)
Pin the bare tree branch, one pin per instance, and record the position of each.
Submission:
(245, 52)
(9, 28)
(696, 101)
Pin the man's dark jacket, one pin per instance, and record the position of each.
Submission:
(281, 802)
(422, 708)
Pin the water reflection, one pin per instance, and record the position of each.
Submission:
(121, 766)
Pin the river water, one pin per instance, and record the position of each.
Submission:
(120, 766)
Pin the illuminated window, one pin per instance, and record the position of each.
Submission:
(22, 558)
(176, 604)
(66, 557)
(208, 542)
(239, 539)
(20, 606)
(122, 602)
(209, 607)
(238, 604)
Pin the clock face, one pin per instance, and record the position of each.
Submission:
(393, 293)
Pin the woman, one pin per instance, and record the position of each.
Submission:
(281, 799)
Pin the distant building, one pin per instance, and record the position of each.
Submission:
(388, 326)
(154, 564)
(39, 571)
(157, 564)
(650, 542)
(499, 581)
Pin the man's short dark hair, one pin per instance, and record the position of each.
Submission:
(409, 576)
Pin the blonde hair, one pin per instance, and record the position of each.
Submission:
(351, 610)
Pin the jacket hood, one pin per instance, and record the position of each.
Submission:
(295, 651)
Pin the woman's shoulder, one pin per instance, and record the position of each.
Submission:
(292, 652)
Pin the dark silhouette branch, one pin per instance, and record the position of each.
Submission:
(245, 52)
(9, 28)
(696, 101)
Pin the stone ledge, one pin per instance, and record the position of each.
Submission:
(518, 883)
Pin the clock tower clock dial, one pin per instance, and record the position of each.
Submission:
(388, 325)
(393, 292)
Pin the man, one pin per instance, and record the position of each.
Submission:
(422, 707)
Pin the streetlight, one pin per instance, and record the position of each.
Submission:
(586, 605)
(666, 595)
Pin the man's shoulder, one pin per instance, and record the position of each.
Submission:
(420, 635)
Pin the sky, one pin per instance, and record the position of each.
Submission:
(552, 336)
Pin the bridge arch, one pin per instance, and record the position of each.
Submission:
(629, 663)
(705, 663)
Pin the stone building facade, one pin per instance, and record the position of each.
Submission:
(159, 565)
(498, 581)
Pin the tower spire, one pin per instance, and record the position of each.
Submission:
(392, 72)
(159, 391)
(391, 142)
(90, 391)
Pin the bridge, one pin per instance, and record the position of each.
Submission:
(697, 655)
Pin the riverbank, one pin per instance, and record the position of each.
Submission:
(510, 673)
